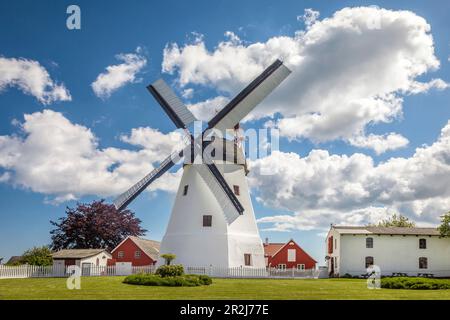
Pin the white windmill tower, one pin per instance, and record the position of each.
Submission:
(212, 220)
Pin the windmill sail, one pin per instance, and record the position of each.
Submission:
(249, 98)
(125, 198)
(229, 208)
(171, 104)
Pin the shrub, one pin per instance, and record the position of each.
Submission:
(168, 257)
(205, 280)
(414, 283)
(170, 270)
(177, 281)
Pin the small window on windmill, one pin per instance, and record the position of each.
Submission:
(207, 220)
(236, 190)
(248, 259)
(185, 190)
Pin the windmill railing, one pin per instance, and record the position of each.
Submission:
(58, 271)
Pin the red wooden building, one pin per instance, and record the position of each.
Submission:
(137, 251)
(287, 255)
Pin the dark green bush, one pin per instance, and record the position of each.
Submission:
(414, 283)
(177, 281)
(170, 270)
(205, 280)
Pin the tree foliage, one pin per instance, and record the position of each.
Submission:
(168, 257)
(37, 256)
(396, 221)
(94, 225)
(444, 228)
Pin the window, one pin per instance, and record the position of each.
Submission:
(369, 242)
(120, 254)
(137, 254)
(248, 259)
(423, 263)
(422, 243)
(369, 262)
(185, 190)
(291, 253)
(330, 244)
(300, 267)
(236, 190)
(207, 221)
(281, 266)
(335, 243)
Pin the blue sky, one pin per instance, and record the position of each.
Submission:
(36, 31)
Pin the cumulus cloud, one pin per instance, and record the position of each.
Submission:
(56, 157)
(116, 76)
(309, 17)
(32, 78)
(205, 110)
(380, 143)
(322, 188)
(349, 70)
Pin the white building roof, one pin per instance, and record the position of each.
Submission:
(387, 230)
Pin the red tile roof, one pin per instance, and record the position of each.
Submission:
(271, 248)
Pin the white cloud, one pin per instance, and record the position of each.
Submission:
(61, 159)
(32, 78)
(205, 110)
(349, 70)
(322, 188)
(118, 75)
(309, 17)
(380, 143)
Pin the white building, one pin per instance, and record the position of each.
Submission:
(84, 258)
(413, 251)
(198, 233)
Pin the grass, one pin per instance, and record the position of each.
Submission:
(113, 288)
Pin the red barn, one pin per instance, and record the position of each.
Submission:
(137, 251)
(287, 255)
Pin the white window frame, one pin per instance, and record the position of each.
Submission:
(281, 266)
(301, 266)
(290, 257)
(120, 254)
(137, 254)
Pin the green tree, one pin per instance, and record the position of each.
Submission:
(37, 256)
(396, 221)
(168, 257)
(444, 228)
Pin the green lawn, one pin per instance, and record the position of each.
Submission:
(113, 288)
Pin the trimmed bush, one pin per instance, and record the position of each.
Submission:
(414, 283)
(170, 270)
(190, 280)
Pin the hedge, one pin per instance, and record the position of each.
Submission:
(414, 283)
(190, 280)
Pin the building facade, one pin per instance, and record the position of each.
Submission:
(136, 252)
(287, 255)
(198, 232)
(412, 251)
(83, 258)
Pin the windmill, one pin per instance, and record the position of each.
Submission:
(211, 222)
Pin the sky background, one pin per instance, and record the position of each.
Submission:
(338, 161)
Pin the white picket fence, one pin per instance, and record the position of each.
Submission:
(27, 271)
(243, 272)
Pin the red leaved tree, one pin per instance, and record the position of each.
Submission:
(94, 225)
